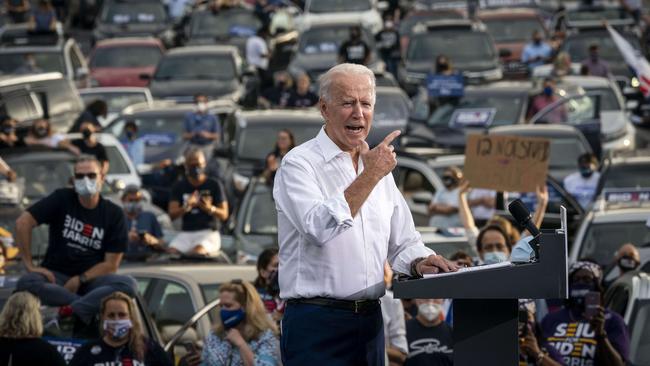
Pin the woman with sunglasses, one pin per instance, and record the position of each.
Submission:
(243, 334)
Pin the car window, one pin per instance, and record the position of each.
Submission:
(254, 142)
(224, 24)
(42, 177)
(338, 6)
(411, 181)
(565, 152)
(507, 109)
(602, 240)
(328, 39)
(143, 285)
(512, 29)
(22, 107)
(261, 216)
(118, 12)
(13, 63)
(197, 67)
(390, 108)
(116, 101)
(62, 96)
(175, 307)
(572, 111)
(156, 130)
(476, 46)
(608, 100)
(449, 248)
(126, 56)
(117, 164)
(627, 176)
(578, 46)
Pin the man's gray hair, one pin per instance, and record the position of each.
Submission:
(325, 80)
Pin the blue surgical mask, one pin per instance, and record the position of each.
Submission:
(232, 318)
(548, 91)
(494, 257)
(522, 251)
(120, 327)
(85, 187)
(586, 172)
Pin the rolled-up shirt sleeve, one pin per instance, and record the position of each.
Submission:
(405, 243)
(298, 196)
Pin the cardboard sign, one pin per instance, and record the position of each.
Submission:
(506, 163)
(445, 85)
(472, 117)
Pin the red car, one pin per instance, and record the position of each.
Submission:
(512, 29)
(121, 61)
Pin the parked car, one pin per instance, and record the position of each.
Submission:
(30, 97)
(183, 72)
(477, 60)
(117, 99)
(133, 18)
(625, 172)
(121, 61)
(51, 53)
(412, 19)
(364, 12)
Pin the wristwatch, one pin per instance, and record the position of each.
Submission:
(83, 279)
(414, 267)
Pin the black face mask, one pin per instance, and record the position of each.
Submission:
(627, 263)
(86, 133)
(442, 67)
(448, 181)
(195, 171)
(40, 132)
(7, 130)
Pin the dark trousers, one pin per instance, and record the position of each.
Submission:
(317, 335)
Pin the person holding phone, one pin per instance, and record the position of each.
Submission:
(199, 200)
(583, 331)
(534, 350)
(145, 233)
(243, 333)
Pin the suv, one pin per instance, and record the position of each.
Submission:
(30, 97)
(51, 53)
(477, 59)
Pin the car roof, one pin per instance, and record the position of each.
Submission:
(11, 79)
(190, 50)
(201, 273)
(291, 116)
(586, 81)
(124, 41)
(113, 89)
(503, 87)
(170, 106)
(537, 130)
(447, 160)
(508, 13)
(636, 214)
(630, 160)
(36, 153)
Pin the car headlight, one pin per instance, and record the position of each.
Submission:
(634, 82)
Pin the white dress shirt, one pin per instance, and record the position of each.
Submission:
(394, 325)
(324, 251)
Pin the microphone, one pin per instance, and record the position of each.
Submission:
(520, 212)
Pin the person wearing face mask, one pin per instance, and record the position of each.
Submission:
(202, 128)
(199, 201)
(354, 50)
(388, 44)
(94, 111)
(533, 348)
(444, 206)
(544, 99)
(537, 52)
(595, 65)
(89, 145)
(133, 144)
(87, 239)
(493, 245)
(8, 138)
(243, 333)
(582, 185)
(627, 259)
(41, 134)
(266, 282)
(145, 234)
(122, 339)
(429, 337)
(582, 334)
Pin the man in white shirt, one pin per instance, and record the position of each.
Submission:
(340, 216)
(257, 55)
(582, 185)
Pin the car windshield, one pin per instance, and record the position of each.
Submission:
(328, 40)
(627, 176)
(14, 63)
(640, 333)
(42, 177)
(407, 25)
(608, 100)
(390, 107)
(476, 46)
(224, 24)
(578, 46)
(156, 130)
(598, 15)
(507, 109)
(565, 152)
(134, 12)
(512, 30)
(338, 6)
(261, 217)
(126, 56)
(116, 101)
(254, 142)
(196, 67)
(602, 240)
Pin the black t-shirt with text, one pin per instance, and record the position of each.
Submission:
(388, 43)
(29, 351)
(98, 151)
(197, 219)
(79, 237)
(302, 101)
(98, 353)
(429, 346)
(354, 51)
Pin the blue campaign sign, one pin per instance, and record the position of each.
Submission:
(472, 117)
(159, 138)
(445, 85)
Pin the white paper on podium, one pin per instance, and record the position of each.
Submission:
(469, 269)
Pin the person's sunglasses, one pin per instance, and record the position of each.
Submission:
(82, 175)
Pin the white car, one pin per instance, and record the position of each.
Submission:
(120, 166)
(364, 12)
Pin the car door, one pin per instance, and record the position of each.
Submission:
(417, 182)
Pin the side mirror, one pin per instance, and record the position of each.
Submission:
(422, 198)
(505, 52)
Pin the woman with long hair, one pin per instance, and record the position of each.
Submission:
(123, 341)
(267, 284)
(243, 334)
(21, 328)
(284, 142)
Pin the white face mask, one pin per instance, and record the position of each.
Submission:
(120, 328)
(202, 107)
(494, 257)
(430, 311)
(85, 187)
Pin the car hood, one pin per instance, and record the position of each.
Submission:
(135, 29)
(175, 88)
(473, 66)
(239, 42)
(368, 18)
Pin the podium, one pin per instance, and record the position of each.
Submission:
(486, 301)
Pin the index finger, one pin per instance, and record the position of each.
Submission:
(391, 136)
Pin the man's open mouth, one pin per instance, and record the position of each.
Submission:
(354, 128)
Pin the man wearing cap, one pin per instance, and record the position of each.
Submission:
(582, 338)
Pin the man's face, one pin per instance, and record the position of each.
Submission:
(348, 115)
(133, 197)
(195, 165)
(91, 170)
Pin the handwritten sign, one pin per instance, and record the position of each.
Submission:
(445, 85)
(506, 163)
